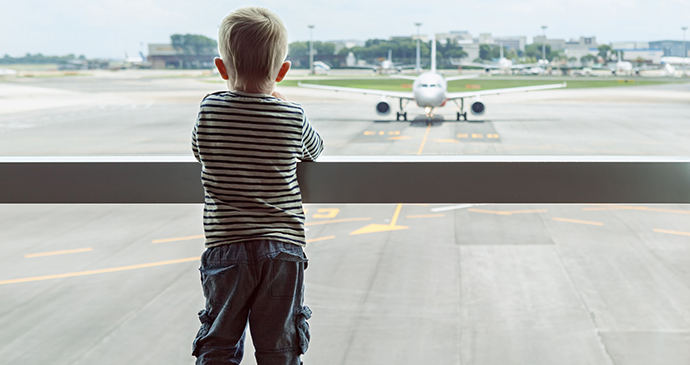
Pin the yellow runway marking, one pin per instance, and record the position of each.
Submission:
(508, 212)
(578, 221)
(327, 213)
(178, 239)
(425, 216)
(372, 228)
(338, 221)
(94, 272)
(320, 239)
(53, 253)
(659, 230)
(426, 135)
(446, 141)
(625, 207)
(399, 138)
(463, 135)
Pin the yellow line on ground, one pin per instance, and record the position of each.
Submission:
(578, 221)
(320, 239)
(338, 221)
(94, 272)
(426, 135)
(659, 230)
(178, 239)
(425, 216)
(53, 253)
(396, 214)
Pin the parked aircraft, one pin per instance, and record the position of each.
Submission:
(429, 91)
(504, 65)
(622, 67)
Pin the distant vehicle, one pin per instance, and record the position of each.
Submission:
(429, 91)
(503, 65)
(7, 72)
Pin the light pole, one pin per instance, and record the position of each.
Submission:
(311, 49)
(543, 45)
(685, 50)
(417, 68)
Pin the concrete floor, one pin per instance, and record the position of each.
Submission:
(485, 284)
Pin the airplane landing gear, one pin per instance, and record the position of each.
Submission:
(463, 115)
(401, 114)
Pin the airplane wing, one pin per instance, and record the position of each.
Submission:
(463, 77)
(395, 94)
(405, 77)
(476, 64)
(470, 94)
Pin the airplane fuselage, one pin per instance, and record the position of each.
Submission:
(429, 90)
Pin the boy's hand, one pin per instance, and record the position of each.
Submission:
(278, 95)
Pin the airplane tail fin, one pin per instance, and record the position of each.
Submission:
(433, 52)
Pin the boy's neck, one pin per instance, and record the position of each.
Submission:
(253, 89)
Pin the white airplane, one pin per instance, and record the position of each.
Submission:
(622, 67)
(429, 91)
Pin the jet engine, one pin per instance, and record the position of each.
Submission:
(478, 108)
(383, 108)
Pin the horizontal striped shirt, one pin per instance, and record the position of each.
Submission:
(248, 146)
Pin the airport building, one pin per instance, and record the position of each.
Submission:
(165, 56)
(629, 45)
(517, 43)
(670, 48)
(647, 55)
(582, 47)
(555, 44)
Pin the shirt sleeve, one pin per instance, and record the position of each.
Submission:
(195, 144)
(312, 144)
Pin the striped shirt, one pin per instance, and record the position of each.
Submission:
(248, 146)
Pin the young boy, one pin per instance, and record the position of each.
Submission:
(248, 140)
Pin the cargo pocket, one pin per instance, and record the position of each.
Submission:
(206, 322)
(303, 335)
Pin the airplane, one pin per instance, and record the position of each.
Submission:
(386, 66)
(429, 91)
(622, 67)
(505, 65)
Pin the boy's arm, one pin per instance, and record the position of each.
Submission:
(195, 144)
(312, 144)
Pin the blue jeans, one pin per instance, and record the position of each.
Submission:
(260, 283)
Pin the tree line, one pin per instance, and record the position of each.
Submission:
(39, 58)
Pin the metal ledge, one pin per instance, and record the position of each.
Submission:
(442, 179)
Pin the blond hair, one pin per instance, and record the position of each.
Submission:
(253, 45)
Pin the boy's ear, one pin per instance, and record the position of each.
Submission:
(221, 68)
(284, 68)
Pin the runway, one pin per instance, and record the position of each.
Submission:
(388, 284)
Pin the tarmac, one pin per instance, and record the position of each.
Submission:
(388, 284)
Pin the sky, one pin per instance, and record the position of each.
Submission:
(109, 28)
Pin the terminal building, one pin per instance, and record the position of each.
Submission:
(670, 48)
(166, 56)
